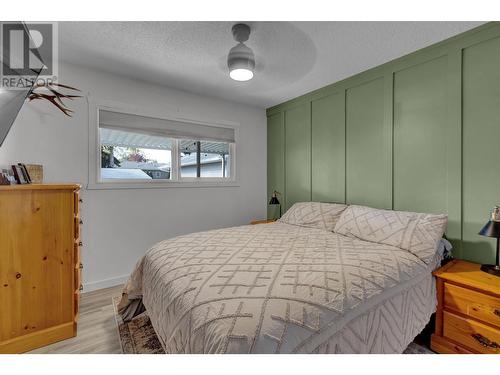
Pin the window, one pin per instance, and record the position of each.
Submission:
(204, 159)
(129, 155)
(147, 150)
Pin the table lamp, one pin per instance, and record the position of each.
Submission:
(274, 199)
(492, 229)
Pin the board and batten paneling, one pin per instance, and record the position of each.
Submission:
(328, 148)
(368, 146)
(297, 155)
(420, 162)
(422, 133)
(276, 160)
(481, 145)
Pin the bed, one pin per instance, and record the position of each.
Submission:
(326, 278)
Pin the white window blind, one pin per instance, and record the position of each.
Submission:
(166, 128)
(116, 137)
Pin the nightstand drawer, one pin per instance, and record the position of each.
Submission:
(476, 305)
(443, 345)
(474, 335)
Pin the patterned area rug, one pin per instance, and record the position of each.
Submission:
(139, 337)
(415, 348)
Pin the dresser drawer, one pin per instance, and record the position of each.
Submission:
(77, 227)
(78, 279)
(77, 254)
(76, 203)
(476, 305)
(472, 334)
(76, 297)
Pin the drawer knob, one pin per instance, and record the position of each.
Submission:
(497, 312)
(484, 341)
(80, 200)
(80, 243)
(81, 266)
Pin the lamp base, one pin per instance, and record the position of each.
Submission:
(491, 269)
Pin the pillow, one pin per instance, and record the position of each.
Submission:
(416, 232)
(314, 215)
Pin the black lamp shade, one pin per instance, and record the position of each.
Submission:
(274, 200)
(491, 229)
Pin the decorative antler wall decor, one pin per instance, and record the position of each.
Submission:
(52, 93)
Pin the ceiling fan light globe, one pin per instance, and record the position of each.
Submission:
(241, 62)
(241, 74)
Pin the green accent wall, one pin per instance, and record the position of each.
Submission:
(275, 159)
(297, 155)
(420, 133)
(328, 148)
(481, 143)
(368, 146)
(420, 137)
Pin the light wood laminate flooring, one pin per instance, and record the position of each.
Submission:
(97, 331)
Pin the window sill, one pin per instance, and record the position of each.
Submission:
(111, 185)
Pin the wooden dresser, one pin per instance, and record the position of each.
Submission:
(468, 314)
(40, 265)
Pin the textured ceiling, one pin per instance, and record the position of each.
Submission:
(292, 58)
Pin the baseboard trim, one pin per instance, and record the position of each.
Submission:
(106, 283)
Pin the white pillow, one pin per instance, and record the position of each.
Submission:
(314, 215)
(416, 232)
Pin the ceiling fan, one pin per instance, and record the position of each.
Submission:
(241, 60)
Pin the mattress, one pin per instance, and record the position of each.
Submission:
(280, 288)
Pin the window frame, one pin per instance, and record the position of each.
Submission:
(94, 173)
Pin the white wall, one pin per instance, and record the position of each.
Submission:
(120, 225)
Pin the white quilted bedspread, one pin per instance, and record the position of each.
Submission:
(273, 288)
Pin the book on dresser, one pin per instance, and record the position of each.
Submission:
(40, 267)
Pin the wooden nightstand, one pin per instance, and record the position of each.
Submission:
(468, 313)
(266, 221)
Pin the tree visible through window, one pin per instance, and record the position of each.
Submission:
(128, 155)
